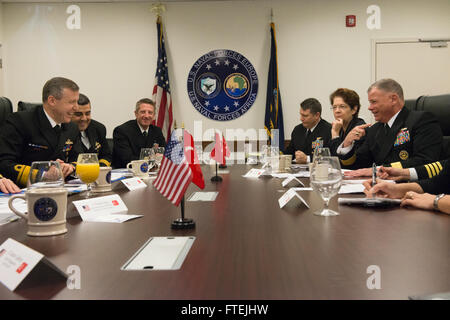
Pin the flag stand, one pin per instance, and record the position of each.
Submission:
(183, 223)
(216, 178)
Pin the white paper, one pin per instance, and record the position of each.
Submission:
(351, 188)
(75, 188)
(203, 196)
(134, 183)
(302, 174)
(16, 262)
(103, 209)
(303, 189)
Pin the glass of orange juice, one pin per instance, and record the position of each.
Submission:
(88, 169)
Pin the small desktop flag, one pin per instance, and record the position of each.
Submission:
(179, 167)
(161, 90)
(274, 113)
(220, 150)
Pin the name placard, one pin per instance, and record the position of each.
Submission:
(17, 261)
(134, 183)
(291, 199)
(291, 182)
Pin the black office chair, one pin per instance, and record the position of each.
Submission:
(439, 106)
(411, 103)
(5, 109)
(27, 106)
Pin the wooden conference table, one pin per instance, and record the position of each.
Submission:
(246, 247)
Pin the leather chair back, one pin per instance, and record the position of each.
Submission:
(27, 106)
(5, 109)
(439, 106)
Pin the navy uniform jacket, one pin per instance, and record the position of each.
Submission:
(320, 137)
(96, 133)
(430, 170)
(439, 183)
(336, 142)
(414, 139)
(128, 141)
(27, 136)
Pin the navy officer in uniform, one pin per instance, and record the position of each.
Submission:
(313, 132)
(45, 133)
(133, 135)
(401, 138)
(92, 133)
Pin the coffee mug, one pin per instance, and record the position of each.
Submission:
(103, 182)
(47, 209)
(285, 162)
(139, 167)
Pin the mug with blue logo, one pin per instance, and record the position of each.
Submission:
(139, 168)
(103, 182)
(46, 200)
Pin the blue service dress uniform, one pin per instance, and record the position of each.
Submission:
(27, 136)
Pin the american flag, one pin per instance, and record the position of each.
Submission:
(161, 90)
(178, 171)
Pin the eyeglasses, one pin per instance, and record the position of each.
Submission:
(341, 107)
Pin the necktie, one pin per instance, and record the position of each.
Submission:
(57, 129)
(386, 129)
(145, 134)
(85, 140)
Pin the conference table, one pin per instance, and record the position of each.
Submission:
(246, 247)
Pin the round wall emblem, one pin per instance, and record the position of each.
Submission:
(45, 209)
(222, 85)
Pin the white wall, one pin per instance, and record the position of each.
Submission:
(113, 56)
(1, 42)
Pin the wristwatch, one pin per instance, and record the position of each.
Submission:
(436, 200)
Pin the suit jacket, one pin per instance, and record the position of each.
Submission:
(28, 136)
(336, 142)
(414, 139)
(128, 141)
(320, 137)
(96, 133)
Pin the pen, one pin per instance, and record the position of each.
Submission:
(374, 175)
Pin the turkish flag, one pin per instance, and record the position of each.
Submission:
(220, 150)
(192, 160)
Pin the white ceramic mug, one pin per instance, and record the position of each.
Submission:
(139, 167)
(103, 182)
(47, 209)
(285, 162)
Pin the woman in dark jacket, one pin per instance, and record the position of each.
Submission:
(345, 106)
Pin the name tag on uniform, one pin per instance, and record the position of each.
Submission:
(402, 137)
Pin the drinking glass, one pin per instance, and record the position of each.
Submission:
(321, 152)
(88, 169)
(45, 174)
(326, 178)
(149, 155)
(159, 152)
